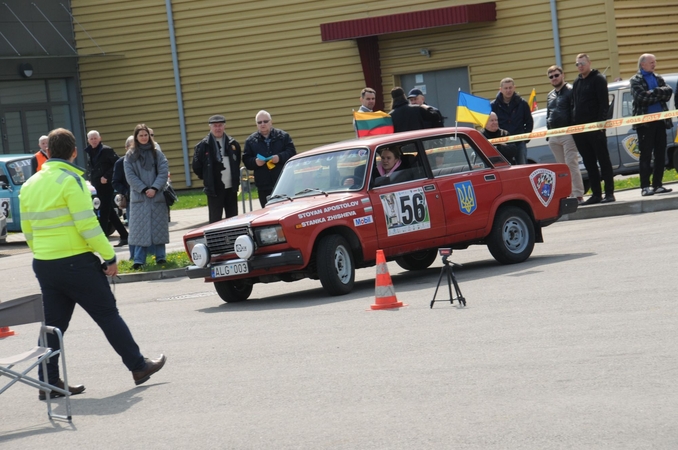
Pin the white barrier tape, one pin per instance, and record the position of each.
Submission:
(576, 129)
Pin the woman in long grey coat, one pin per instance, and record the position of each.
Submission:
(147, 170)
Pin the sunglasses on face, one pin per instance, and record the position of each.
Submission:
(259, 122)
(579, 64)
(555, 75)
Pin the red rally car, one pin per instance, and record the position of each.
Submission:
(331, 211)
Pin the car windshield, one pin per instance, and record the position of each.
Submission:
(19, 170)
(338, 171)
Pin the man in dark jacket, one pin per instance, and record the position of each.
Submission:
(650, 94)
(514, 115)
(492, 131)
(216, 161)
(266, 152)
(559, 115)
(590, 104)
(408, 117)
(102, 158)
(416, 97)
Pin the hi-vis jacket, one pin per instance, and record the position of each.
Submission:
(57, 218)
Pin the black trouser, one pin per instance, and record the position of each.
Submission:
(592, 147)
(262, 196)
(652, 141)
(106, 212)
(226, 201)
(79, 280)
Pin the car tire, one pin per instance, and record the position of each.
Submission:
(233, 291)
(512, 237)
(418, 260)
(335, 265)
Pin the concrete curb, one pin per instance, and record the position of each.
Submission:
(150, 276)
(655, 203)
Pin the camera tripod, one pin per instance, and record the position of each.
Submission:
(451, 280)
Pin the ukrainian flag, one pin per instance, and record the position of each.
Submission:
(372, 123)
(473, 109)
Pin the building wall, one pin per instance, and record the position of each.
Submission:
(243, 56)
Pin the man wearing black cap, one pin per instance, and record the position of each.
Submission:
(416, 97)
(216, 162)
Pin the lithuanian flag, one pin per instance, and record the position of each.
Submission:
(533, 100)
(372, 123)
(473, 109)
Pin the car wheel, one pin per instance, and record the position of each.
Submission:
(512, 237)
(233, 291)
(417, 261)
(335, 265)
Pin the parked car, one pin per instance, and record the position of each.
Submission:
(622, 142)
(330, 212)
(3, 228)
(14, 171)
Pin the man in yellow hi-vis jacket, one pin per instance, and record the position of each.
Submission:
(62, 231)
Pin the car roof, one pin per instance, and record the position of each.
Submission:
(6, 158)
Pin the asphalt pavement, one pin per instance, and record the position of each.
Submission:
(628, 201)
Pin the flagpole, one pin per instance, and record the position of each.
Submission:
(455, 116)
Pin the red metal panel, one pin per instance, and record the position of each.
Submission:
(416, 20)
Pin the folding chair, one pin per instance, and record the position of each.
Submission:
(27, 310)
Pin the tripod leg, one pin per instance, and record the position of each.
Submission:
(449, 282)
(437, 286)
(462, 300)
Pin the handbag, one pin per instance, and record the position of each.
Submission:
(168, 192)
(170, 195)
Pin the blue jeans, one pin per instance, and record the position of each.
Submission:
(79, 280)
(140, 253)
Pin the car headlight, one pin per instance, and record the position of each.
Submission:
(198, 257)
(269, 235)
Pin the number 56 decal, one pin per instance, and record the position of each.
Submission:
(405, 211)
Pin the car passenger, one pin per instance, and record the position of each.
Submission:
(391, 161)
(509, 151)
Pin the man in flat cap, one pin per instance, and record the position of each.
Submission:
(216, 162)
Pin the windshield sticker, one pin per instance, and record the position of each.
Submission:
(6, 208)
(359, 221)
(405, 211)
(543, 182)
(466, 196)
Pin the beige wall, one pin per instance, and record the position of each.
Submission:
(238, 57)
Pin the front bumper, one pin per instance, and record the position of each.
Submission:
(257, 262)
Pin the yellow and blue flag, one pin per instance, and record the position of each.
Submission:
(473, 109)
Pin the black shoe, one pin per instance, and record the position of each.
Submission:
(160, 261)
(152, 366)
(662, 190)
(74, 390)
(121, 243)
(646, 191)
(136, 266)
(592, 200)
(609, 198)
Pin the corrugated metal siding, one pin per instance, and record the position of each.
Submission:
(518, 45)
(647, 27)
(239, 57)
(135, 83)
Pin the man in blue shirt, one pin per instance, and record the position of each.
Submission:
(650, 94)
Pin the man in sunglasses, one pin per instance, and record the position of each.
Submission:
(266, 152)
(558, 115)
(590, 104)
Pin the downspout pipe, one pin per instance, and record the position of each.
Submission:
(177, 88)
(556, 33)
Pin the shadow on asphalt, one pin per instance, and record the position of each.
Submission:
(414, 279)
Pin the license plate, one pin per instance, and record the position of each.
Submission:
(230, 269)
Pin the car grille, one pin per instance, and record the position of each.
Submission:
(221, 241)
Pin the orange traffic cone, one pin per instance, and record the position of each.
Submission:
(5, 332)
(384, 292)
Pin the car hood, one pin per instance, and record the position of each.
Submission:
(304, 207)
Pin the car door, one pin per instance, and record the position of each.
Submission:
(467, 182)
(408, 211)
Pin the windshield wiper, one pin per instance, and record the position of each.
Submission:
(309, 190)
(280, 197)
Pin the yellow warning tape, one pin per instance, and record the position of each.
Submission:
(575, 129)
